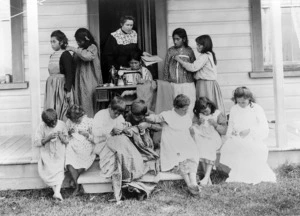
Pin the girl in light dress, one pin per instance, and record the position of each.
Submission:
(79, 152)
(244, 151)
(88, 71)
(178, 149)
(51, 138)
(205, 72)
(211, 125)
(181, 79)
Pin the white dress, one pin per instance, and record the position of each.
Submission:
(177, 144)
(247, 157)
(79, 152)
(207, 138)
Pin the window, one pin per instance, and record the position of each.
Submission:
(11, 38)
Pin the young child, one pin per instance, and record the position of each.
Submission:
(205, 69)
(51, 137)
(211, 125)
(88, 71)
(181, 79)
(244, 151)
(59, 85)
(79, 152)
(178, 149)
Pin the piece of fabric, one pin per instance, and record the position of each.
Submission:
(175, 72)
(55, 91)
(211, 90)
(147, 92)
(52, 154)
(247, 157)
(164, 97)
(88, 77)
(79, 151)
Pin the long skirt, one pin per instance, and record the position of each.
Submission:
(55, 96)
(211, 90)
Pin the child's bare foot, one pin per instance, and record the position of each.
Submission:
(204, 182)
(58, 197)
(194, 190)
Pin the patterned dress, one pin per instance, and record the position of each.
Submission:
(52, 154)
(79, 152)
(59, 82)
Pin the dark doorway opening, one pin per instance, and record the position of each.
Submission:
(110, 12)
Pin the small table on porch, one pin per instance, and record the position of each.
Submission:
(105, 94)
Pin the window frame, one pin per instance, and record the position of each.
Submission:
(18, 73)
(258, 69)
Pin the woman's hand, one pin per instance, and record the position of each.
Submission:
(244, 133)
(147, 54)
(84, 133)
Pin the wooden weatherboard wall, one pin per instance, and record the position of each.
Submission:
(65, 15)
(229, 24)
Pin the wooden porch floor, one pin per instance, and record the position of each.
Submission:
(18, 149)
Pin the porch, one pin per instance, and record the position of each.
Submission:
(19, 171)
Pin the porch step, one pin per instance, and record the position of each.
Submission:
(93, 182)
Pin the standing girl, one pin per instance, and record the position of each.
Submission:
(79, 152)
(88, 71)
(206, 72)
(59, 85)
(51, 137)
(244, 151)
(211, 125)
(181, 79)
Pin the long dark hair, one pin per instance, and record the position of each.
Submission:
(84, 35)
(61, 37)
(182, 34)
(207, 44)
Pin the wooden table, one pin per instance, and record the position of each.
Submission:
(105, 94)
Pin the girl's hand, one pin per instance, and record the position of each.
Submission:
(71, 131)
(212, 122)
(127, 124)
(126, 132)
(116, 131)
(83, 133)
(70, 48)
(244, 133)
(52, 136)
(143, 125)
(201, 120)
(192, 132)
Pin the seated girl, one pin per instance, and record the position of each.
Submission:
(140, 130)
(51, 137)
(178, 149)
(212, 124)
(119, 158)
(79, 152)
(144, 74)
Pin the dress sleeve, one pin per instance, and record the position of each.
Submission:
(167, 66)
(222, 124)
(66, 66)
(147, 75)
(196, 65)
(261, 130)
(39, 135)
(88, 54)
(110, 51)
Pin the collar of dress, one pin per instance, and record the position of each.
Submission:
(123, 38)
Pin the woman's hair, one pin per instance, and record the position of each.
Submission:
(181, 101)
(75, 112)
(135, 55)
(139, 108)
(125, 18)
(49, 116)
(202, 103)
(61, 37)
(207, 44)
(118, 104)
(182, 34)
(84, 35)
(243, 92)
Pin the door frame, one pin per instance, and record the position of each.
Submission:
(161, 27)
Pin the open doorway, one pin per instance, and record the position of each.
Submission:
(110, 12)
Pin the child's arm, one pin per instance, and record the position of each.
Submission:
(40, 139)
(88, 54)
(221, 124)
(196, 65)
(155, 118)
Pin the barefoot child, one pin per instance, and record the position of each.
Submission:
(211, 125)
(178, 149)
(51, 137)
(79, 152)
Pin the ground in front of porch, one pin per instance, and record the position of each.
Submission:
(19, 171)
